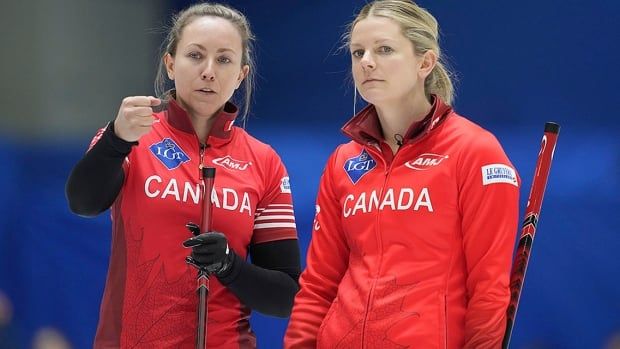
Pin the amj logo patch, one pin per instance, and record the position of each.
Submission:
(358, 166)
(426, 161)
(232, 164)
(169, 153)
(499, 173)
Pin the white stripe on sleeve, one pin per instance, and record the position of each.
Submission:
(275, 225)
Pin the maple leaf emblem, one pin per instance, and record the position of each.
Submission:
(386, 312)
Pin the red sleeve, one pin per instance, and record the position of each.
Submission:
(489, 204)
(275, 217)
(327, 261)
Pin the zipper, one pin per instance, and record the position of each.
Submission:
(201, 164)
(388, 170)
(206, 196)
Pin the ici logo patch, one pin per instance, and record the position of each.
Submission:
(169, 153)
(356, 167)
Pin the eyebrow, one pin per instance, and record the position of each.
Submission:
(378, 41)
(223, 49)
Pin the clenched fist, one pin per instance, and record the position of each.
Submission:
(135, 117)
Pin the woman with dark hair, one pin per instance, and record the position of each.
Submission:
(146, 166)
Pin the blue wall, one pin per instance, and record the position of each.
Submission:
(520, 64)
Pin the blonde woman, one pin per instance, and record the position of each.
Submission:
(416, 216)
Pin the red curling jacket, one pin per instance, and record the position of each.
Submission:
(413, 249)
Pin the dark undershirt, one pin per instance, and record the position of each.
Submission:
(268, 284)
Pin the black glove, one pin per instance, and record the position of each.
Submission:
(210, 251)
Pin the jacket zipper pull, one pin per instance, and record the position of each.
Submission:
(201, 165)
